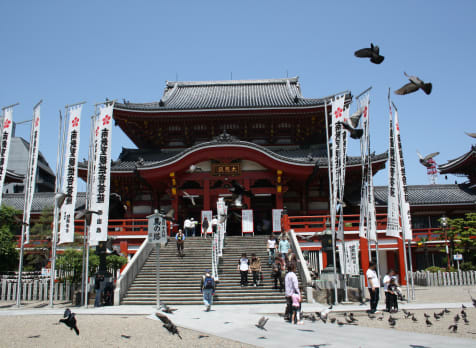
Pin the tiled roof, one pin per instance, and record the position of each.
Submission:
(428, 195)
(232, 94)
(130, 159)
(41, 201)
(451, 164)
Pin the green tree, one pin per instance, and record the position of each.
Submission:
(461, 235)
(40, 232)
(115, 262)
(9, 226)
(8, 252)
(69, 264)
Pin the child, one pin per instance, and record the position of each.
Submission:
(392, 290)
(296, 317)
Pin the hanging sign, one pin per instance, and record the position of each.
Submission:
(277, 220)
(247, 221)
(352, 257)
(393, 225)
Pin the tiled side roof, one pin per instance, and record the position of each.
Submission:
(41, 201)
(428, 195)
(232, 94)
(451, 164)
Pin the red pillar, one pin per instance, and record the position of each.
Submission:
(279, 200)
(364, 255)
(124, 248)
(324, 259)
(206, 194)
(391, 259)
(175, 207)
(401, 259)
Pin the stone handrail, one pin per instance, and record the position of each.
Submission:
(130, 272)
(302, 265)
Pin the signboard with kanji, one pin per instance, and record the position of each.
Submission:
(157, 231)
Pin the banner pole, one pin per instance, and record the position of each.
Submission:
(54, 238)
(25, 217)
(331, 205)
(411, 269)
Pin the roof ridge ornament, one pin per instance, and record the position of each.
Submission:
(225, 137)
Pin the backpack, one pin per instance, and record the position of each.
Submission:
(208, 283)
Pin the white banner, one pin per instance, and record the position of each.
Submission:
(402, 183)
(102, 174)
(277, 220)
(32, 164)
(5, 146)
(70, 176)
(393, 225)
(352, 257)
(207, 214)
(364, 143)
(247, 221)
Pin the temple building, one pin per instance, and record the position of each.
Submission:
(201, 136)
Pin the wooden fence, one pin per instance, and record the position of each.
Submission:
(35, 290)
(425, 278)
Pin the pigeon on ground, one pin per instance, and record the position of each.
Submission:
(34, 336)
(332, 320)
(446, 310)
(261, 323)
(472, 135)
(168, 324)
(392, 322)
(354, 133)
(425, 161)
(463, 313)
(414, 319)
(125, 336)
(371, 316)
(456, 318)
(436, 316)
(453, 327)
(428, 322)
(373, 53)
(187, 196)
(441, 313)
(70, 320)
(380, 318)
(463, 306)
(466, 321)
(405, 311)
(166, 309)
(340, 323)
(203, 336)
(414, 85)
(426, 315)
(472, 299)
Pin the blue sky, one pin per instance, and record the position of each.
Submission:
(69, 51)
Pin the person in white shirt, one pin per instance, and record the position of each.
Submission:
(386, 281)
(272, 245)
(243, 267)
(187, 224)
(374, 286)
(214, 224)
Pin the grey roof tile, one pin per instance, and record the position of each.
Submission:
(232, 94)
(41, 201)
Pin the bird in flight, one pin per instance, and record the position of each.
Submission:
(372, 52)
(168, 324)
(69, 320)
(414, 85)
(425, 161)
(261, 323)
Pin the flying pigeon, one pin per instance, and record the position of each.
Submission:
(193, 168)
(426, 160)
(414, 85)
(261, 323)
(355, 133)
(373, 53)
(70, 320)
(187, 196)
(355, 117)
(472, 135)
(166, 308)
(168, 324)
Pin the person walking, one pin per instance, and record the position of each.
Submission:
(291, 285)
(283, 248)
(207, 288)
(205, 225)
(276, 274)
(272, 244)
(99, 284)
(255, 267)
(373, 283)
(187, 227)
(243, 267)
(386, 281)
(180, 238)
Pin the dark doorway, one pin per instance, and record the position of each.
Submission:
(262, 206)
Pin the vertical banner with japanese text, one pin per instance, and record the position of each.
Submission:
(277, 220)
(351, 257)
(5, 145)
(70, 175)
(101, 178)
(247, 221)
(393, 225)
(402, 184)
(31, 174)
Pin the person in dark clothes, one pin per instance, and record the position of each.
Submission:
(393, 301)
(276, 273)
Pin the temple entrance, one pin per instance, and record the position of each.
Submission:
(263, 206)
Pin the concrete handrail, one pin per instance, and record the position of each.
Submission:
(302, 262)
(130, 272)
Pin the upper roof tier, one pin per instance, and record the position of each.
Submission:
(230, 94)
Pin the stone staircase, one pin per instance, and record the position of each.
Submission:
(180, 277)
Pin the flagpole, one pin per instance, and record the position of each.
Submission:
(331, 205)
(410, 265)
(59, 172)
(85, 266)
(25, 219)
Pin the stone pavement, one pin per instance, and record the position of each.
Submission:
(237, 322)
